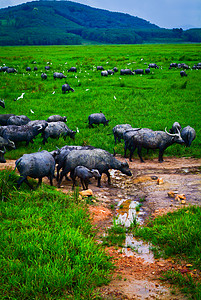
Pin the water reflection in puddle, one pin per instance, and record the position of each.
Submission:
(126, 212)
(127, 215)
(137, 248)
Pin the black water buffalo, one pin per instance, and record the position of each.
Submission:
(11, 70)
(3, 69)
(110, 72)
(104, 73)
(127, 135)
(47, 67)
(60, 155)
(100, 68)
(21, 133)
(35, 69)
(97, 118)
(147, 70)
(4, 119)
(42, 123)
(183, 66)
(72, 69)
(115, 69)
(149, 139)
(57, 129)
(35, 165)
(173, 65)
(56, 118)
(153, 65)
(28, 69)
(118, 131)
(18, 120)
(59, 75)
(188, 135)
(44, 76)
(66, 88)
(84, 174)
(139, 71)
(126, 72)
(93, 159)
(183, 73)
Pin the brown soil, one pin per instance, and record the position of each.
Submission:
(137, 275)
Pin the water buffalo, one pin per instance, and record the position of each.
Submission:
(97, 118)
(44, 76)
(104, 73)
(60, 155)
(188, 135)
(110, 72)
(127, 135)
(72, 69)
(21, 133)
(147, 70)
(4, 119)
(57, 129)
(11, 70)
(35, 165)
(84, 174)
(59, 75)
(93, 159)
(47, 67)
(18, 120)
(100, 68)
(139, 71)
(28, 69)
(118, 131)
(56, 118)
(126, 72)
(153, 65)
(183, 73)
(66, 88)
(150, 139)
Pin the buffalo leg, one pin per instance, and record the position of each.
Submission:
(139, 149)
(39, 182)
(24, 179)
(160, 158)
(108, 177)
(131, 152)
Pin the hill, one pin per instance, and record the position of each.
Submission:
(65, 22)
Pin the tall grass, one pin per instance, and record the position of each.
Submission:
(47, 250)
(154, 101)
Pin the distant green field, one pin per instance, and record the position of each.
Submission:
(153, 101)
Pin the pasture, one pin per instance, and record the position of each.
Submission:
(154, 100)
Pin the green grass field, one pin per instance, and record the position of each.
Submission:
(154, 101)
(47, 249)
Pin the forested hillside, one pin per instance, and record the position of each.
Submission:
(66, 22)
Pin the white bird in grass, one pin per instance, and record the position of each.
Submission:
(31, 111)
(21, 97)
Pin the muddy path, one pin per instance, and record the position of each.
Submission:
(137, 272)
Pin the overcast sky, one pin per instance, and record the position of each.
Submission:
(164, 13)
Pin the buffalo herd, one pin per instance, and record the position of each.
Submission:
(83, 162)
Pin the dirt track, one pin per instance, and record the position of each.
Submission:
(136, 276)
